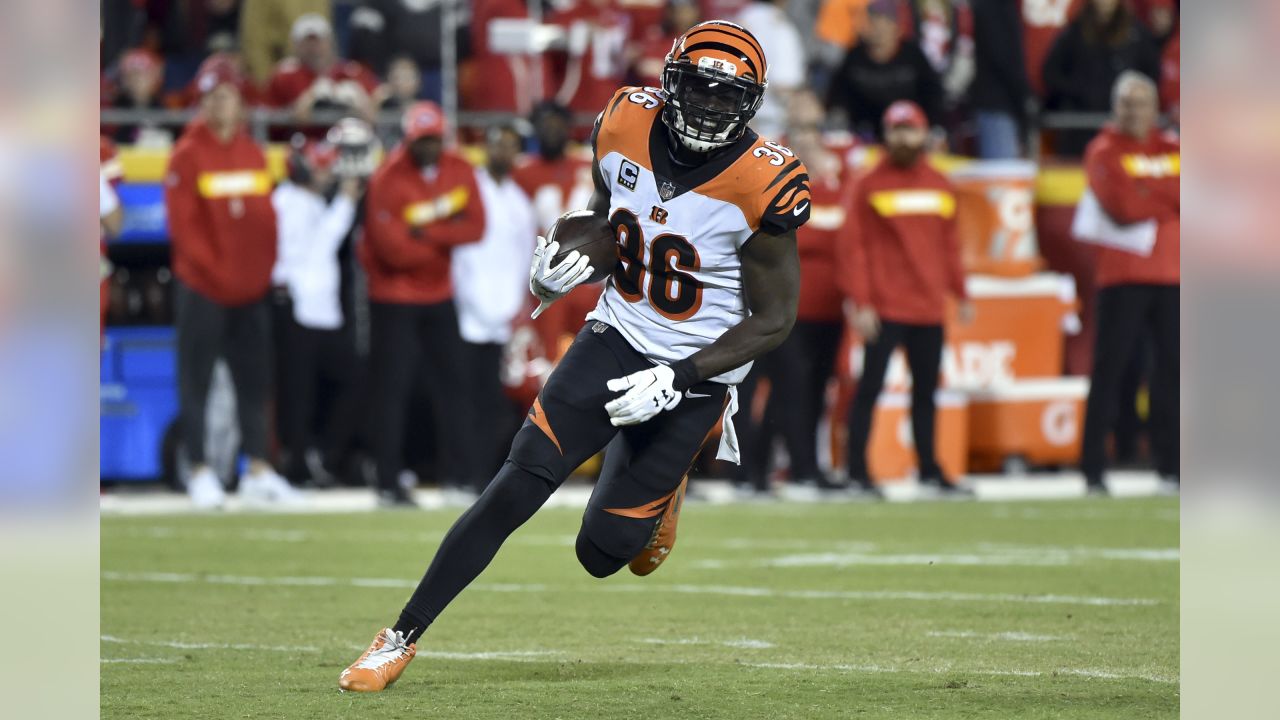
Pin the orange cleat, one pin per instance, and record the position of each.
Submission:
(380, 665)
(664, 534)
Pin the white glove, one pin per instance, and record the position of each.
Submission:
(648, 393)
(549, 284)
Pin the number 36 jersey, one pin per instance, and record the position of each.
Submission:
(681, 230)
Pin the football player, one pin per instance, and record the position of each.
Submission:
(705, 214)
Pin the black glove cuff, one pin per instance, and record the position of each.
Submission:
(686, 375)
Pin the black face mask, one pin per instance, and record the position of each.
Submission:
(708, 108)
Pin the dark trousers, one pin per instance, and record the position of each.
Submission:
(241, 335)
(923, 344)
(799, 372)
(318, 376)
(407, 340)
(643, 467)
(494, 418)
(1123, 313)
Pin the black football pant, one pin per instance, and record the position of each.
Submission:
(644, 465)
(318, 375)
(799, 371)
(407, 340)
(206, 331)
(1123, 313)
(923, 345)
(495, 418)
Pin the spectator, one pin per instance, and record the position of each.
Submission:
(900, 256)
(385, 29)
(803, 364)
(944, 31)
(266, 28)
(490, 80)
(1160, 17)
(141, 76)
(880, 70)
(422, 203)
(840, 25)
(250, 93)
(783, 46)
(557, 179)
(1001, 93)
(315, 78)
(653, 42)
(594, 64)
(223, 228)
(1085, 60)
(1042, 22)
(315, 211)
(490, 279)
(403, 86)
(1134, 172)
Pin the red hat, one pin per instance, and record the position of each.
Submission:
(423, 119)
(218, 70)
(905, 112)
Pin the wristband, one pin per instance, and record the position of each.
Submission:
(686, 375)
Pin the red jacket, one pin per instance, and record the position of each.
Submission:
(899, 251)
(820, 297)
(1137, 180)
(412, 222)
(221, 221)
(291, 79)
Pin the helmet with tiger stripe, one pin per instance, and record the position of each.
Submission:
(714, 78)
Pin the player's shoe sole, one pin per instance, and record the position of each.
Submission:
(664, 534)
(380, 666)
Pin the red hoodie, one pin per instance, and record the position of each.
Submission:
(816, 242)
(221, 221)
(1137, 180)
(412, 222)
(899, 251)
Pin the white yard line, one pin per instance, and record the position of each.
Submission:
(725, 590)
(536, 655)
(1009, 636)
(1047, 556)
(180, 645)
(743, 643)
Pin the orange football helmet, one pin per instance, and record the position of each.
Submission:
(714, 79)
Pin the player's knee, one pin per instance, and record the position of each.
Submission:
(613, 536)
(533, 453)
(594, 560)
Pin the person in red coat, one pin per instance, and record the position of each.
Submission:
(899, 258)
(223, 232)
(315, 78)
(1134, 170)
(421, 203)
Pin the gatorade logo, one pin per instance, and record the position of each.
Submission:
(1059, 423)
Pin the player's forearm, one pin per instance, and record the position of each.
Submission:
(739, 345)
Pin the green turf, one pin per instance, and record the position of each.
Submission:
(747, 587)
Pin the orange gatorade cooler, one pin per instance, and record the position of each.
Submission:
(1027, 422)
(1017, 332)
(995, 216)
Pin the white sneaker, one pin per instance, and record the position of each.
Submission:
(206, 490)
(265, 487)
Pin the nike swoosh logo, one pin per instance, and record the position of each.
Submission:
(691, 394)
(800, 208)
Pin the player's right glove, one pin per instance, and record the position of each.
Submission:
(549, 284)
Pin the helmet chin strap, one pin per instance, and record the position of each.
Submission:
(695, 145)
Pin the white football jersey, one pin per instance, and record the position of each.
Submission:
(678, 283)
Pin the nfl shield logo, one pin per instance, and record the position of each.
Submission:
(667, 190)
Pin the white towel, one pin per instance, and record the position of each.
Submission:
(728, 449)
(1091, 224)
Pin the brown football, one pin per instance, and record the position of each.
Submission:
(589, 234)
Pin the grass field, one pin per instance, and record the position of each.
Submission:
(1062, 609)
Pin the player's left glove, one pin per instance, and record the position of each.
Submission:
(648, 393)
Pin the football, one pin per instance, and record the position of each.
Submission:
(589, 234)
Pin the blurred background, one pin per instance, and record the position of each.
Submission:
(1013, 92)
